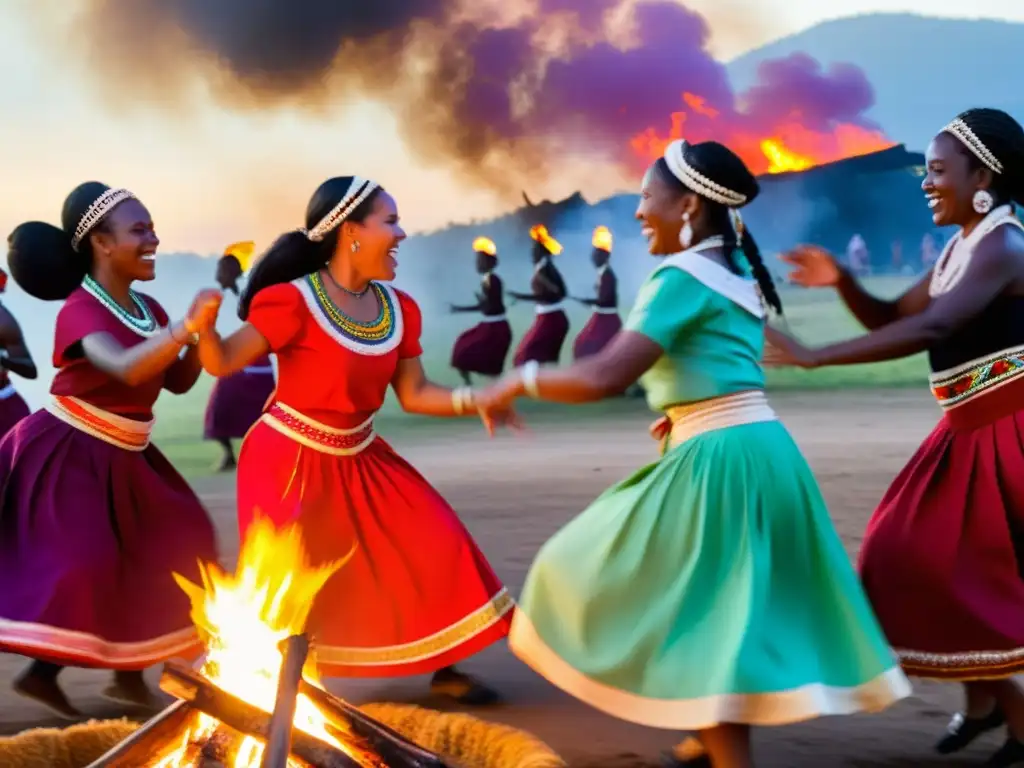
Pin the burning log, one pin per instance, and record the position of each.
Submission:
(396, 750)
(183, 682)
(158, 735)
(279, 741)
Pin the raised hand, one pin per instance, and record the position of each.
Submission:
(813, 266)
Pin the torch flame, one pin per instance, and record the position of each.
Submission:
(602, 239)
(243, 251)
(243, 617)
(540, 233)
(485, 245)
(781, 159)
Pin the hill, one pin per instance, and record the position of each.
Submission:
(924, 70)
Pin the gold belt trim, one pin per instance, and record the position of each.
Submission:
(694, 419)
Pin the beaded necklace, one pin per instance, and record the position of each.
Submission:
(374, 332)
(146, 325)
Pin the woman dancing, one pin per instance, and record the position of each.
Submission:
(605, 321)
(483, 348)
(943, 556)
(708, 592)
(95, 519)
(236, 401)
(417, 595)
(14, 358)
(543, 341)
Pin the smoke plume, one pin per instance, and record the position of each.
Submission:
(499, 102)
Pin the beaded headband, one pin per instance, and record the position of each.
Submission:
(358, 191)
(969, 139)
(100, 207)
(675, 158)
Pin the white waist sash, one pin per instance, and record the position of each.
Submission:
(258, 369)
(606, 311)
(719, 413)
(547, 309)
(8, 391)
(493, 319)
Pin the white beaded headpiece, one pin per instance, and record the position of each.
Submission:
(675, 158)
(100, 207)
(969, 139)
(358, 191)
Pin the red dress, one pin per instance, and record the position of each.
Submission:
(417, 595)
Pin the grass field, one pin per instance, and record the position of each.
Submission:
(814, 316)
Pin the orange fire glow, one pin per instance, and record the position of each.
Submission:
(485, 245)
(602, 239)
(788, 146)
(540, 233)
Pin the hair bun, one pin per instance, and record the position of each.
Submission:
(42, 261)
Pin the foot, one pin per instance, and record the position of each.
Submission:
(226, 464)
(689, 753)
(1009, 755)
(464, 688)
(963, 730)
(47, 693)
(130, 689)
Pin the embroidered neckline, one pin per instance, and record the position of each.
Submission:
(377, 331)
(144, 326)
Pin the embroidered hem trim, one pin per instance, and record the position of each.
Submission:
(28, 638)
(967, 665)
(482, 619)
(957, 385)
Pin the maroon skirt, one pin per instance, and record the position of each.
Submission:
(543, 342)
(92, 536)
(236, 402)
(943, 557)
(12, 409)
(596, 333)
(483, 348)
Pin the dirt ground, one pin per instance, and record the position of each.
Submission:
(515, 492)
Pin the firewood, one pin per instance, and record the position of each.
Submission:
(157, 736)
(279, 739)
(396, 750)
(180, 681)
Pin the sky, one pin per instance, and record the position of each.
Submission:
(218, 177)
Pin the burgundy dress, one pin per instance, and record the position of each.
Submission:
(605, 322)
(943, 557)
(543, 341)
(95, 520)
(237, 401)
(13, 407)
(483, 348)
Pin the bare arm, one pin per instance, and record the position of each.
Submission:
(136, 364)
(16, 357)
(183, 373)
(993, 268)
(417, 394)
(222, 357)
(873, 312)
(608, 373)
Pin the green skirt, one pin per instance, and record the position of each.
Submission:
(710, 587)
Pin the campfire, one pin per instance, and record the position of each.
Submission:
(254, 701)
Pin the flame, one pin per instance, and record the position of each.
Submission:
(602, 239)
(540, 233)
(243, 251)
(787, 146)
(485, 245)
(242, 618)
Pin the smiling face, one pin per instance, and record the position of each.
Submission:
(126, 242)
(377, 239)
(950, 182)
(660, 213)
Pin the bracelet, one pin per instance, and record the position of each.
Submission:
(529, 373)
(462, 400)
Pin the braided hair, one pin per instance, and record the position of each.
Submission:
(293, 254)
(1002, 136)
(43, 258)
(723, 167)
